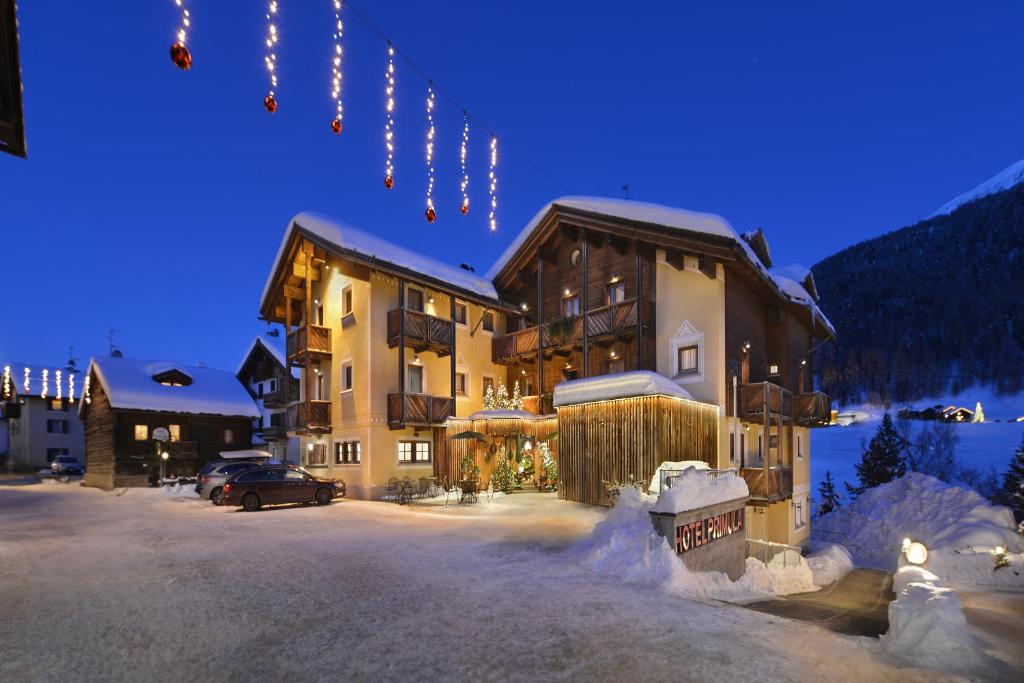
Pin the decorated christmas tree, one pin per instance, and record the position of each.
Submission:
(500, 400)
(489, 398)
(979, 414)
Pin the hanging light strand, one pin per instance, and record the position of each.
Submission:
(57, 381)
(46, 384)
(86, 395)
(336, 68)
(25, 384)
(389, 125)
(5, 390)
(431, 214)
(270, 101)
(71, 387)
(492, 189)
(180, 54)
(464, 185)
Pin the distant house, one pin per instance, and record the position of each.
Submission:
(37, 414)
(264, 373)
(955, 414)
(126, 401)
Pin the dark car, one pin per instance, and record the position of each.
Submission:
(276, 484)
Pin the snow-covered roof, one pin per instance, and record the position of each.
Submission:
(1004, 180)
(619, 385)
(664, 216)
(643, 212)
(129, 384)
(273, 345)
(35, 379)
(342, 236)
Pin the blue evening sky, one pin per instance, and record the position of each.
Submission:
(153, 200)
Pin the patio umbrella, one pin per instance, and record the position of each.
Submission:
(469, 435)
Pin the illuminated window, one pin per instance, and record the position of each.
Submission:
(773, 369)
(413, 451)
(687, 359)
(488, 383)
(615, 293)
(229, 436)
(175, 432)
(570, 305)
(316, 454)
(460, 383)
(347, 453)
(141, 432)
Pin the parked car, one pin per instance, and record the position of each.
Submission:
(210, 480)
(66, 464)
(275, 484)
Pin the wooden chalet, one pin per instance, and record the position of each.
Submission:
(124, 401)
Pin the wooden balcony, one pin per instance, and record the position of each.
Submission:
(773, 484)
(812, 410)
(273, 399)
(608, 320)
(273, 433)
(312, 417)
(764, 397)
(309, 340)
(422, 332)
(418, 409)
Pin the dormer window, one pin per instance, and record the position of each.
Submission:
(172, 378)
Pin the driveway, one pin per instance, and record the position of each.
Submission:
(857, 604)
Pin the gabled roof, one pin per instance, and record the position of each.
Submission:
(345, 239)
(690, 223)
(273, 345)
(128, 384)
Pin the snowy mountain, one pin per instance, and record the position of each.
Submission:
(1007, 178)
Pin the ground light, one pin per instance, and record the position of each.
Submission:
(915, 552)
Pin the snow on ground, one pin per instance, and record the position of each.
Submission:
(829, 563)
(982, 446)
(161, 586)
(958, 526)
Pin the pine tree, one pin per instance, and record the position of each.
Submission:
(489, 398)
(501, 397)
(882, 460)
(979, 414)
(1012, 494)
(517, 399)
(830, 498)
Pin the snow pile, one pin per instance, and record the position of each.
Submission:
(503, 415)
(673, 466)
(618, 385)
(180, 492)
(952, 521)
(694, 489)
(829, 563)
(927, 626)
(625, 546)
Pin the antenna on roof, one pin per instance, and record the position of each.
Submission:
(466, 266)
(71, 360)
(111, 349)
(273, 332)
(625, 190)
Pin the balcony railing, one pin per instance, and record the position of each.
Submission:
(812, 410)
(309, 339)
(312, 416)
(273, 399)
(775, 483)
(422, 331)
(419, 409)
(273, 433)
(761, 397)
(602, 321)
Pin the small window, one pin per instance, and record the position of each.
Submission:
(489, 321)
(259, 389)
(273, 385)
(773, 369)
(799, 447)
(318, 314)
(460, 383)
(414, 300)
(615, 292)
(175, 432)
(413, 451)
(58, 404)
(316, 454)
(346, 376)
(798, 513)
(687, 360)
(229, 436)
(415, 379)
(347, 453)
(526, 385)
(488, 383)
(461, 312)
(732, 446)
(141, 432)
(576, 256)
(56, 426)
(570, 305)
(346, 300)
(570, 374)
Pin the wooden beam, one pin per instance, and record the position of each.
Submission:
(708, 266)
(548, 255)
(572, 233)
(524, 276)
(675, 258)
(300, 272)
(617, 243)
(594, 239)
(297, 293)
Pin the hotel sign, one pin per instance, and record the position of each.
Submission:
(707, 529)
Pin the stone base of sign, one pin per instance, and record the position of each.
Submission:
(717, 549)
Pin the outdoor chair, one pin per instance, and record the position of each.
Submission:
(391, 487)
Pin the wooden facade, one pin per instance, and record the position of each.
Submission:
(449, 452)
(115, 458)
(627, 439)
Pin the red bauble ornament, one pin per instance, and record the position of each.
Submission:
(431, 214)
(389, 182)
(181, 57)
(336, 126)
(464, 208)
(270, 103)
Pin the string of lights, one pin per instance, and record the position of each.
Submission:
(431, 214)
(57, 379)
(86, 396)
(25, 385)
(5, 388)
(46, 384)
(336, 68)
(270, 101)
(493, 188)
(464, 185)
(71, 387)
(389, 110)
(180, 54)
